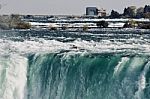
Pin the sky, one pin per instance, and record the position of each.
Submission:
(64, 7)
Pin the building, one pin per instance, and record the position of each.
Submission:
(91, 11)
(102, 12)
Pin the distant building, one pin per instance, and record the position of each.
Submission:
(91, 11)
(102, 12)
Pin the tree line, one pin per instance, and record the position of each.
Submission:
(132, 12)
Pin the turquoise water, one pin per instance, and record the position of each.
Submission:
(91, 76)
(105, 64)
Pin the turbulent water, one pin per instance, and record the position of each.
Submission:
(96, 64)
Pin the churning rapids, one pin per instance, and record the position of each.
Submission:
(103, 64)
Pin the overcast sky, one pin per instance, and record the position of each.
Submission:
(64, 7)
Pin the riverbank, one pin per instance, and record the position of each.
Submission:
(13, 22)
(67, 23)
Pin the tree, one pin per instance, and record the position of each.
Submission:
(130, 12)
(125, 12)
(147, 15)
(140, 12)
(147, 8)
(147, 11)
(114, 14)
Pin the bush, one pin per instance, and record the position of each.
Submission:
(22, 25)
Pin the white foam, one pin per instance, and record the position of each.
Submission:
(13, 71)
(142, 82)
(120, 66)
(135, 64)
(41, 45)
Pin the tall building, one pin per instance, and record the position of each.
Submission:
(91, 11)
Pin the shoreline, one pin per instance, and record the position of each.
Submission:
(65, 22)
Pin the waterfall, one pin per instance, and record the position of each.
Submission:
(13, 71)
(142, 82)
(88, 76)
(43, 64)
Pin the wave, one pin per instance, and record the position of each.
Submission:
(87, 76)
(51, 46)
